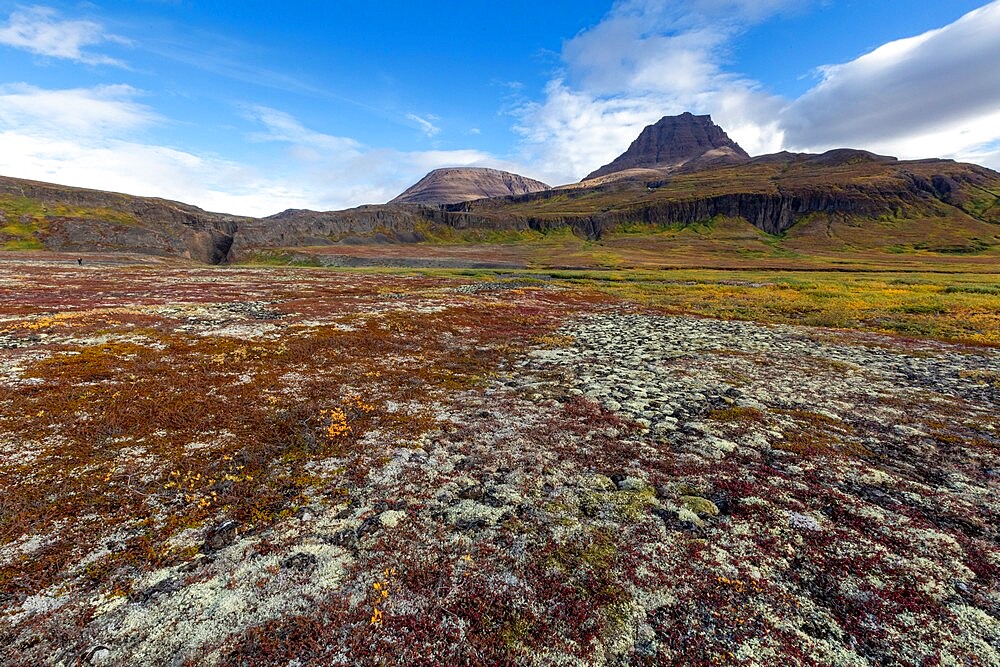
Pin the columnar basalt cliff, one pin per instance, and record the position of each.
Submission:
(771, 192)
(371, 224)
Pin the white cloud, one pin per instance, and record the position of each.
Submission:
(96, 138)
(144, 169)
(936, 94)
(40, 30)
(645, 60)
(283, 127)
(988, 154)
(428, 128)
(572, 132)
(91, 137)
(77, 111)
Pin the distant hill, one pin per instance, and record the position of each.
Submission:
(677, 141)
(455, 185)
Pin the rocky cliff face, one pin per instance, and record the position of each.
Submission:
(451, 186)
(676, 141)
(79, 220)
(304, 228)
(773, 193)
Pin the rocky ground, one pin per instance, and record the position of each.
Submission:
(405, 470)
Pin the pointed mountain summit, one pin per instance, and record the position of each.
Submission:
(676, 141)
(452, 186)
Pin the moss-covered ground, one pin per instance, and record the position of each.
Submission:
(279, 465)
(24, 222)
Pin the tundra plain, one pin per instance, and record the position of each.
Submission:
(279, 465)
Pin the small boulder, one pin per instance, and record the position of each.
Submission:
(163, 587)
(97, 656)
(801, 521)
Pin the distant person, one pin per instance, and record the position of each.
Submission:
(79, 260)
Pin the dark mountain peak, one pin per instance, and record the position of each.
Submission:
(675, 141)
(459, 184)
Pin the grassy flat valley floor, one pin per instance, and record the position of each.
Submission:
(716, 244)
(593, 459)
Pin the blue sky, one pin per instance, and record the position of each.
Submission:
(253, 107)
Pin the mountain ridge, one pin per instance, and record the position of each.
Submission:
(852, 192)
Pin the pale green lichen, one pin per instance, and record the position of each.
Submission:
(628, 505)
(700, 506)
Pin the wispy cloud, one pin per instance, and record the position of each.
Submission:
(42, 31)
(92, 137)
(236, 59)
(428, 128)
(340, 172)
(97, 138)
(111, 110)
(283, 127)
